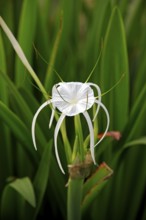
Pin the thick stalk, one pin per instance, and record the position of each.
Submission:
(74, 199)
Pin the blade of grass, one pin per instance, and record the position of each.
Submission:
(140, 141)
(18, 128)
(140, 77)
(136, 126)
(23, 110)
(26, 33)
(3, 90)
(8, 207)
(25, 62)
(49, 77)
(134, 167)
(112, 69)
(33, 103)
(56, 189)
(130, 168)
(25, 188)
(114, 63)
(42, 175)
(22, 57)
(12, 202)
(7, 12)
(96, 34)
(94, 184)
(5, 153)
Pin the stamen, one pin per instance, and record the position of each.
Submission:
(94, 66)
(58, 75)
(112, 86)
(60, 94)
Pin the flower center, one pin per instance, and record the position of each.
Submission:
(72, 98)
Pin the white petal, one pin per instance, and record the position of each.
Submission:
(72, 98)
(108, 120)
(55, 140)
(34, 120)
(99, 98)
(89, 122)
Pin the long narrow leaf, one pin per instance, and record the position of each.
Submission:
(18, 128)
(21, 55)
(24, 188)
(112, 69)
(94, 185)
(26, 34)
(41, 177)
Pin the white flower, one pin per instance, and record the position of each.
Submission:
(72, 98)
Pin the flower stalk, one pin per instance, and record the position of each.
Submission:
(74, 198)
(77, 173)
(79, 134)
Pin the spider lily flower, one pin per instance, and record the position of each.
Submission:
(73, 98)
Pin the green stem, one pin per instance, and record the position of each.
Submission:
(79, 133)
(66, 142)
(74, 199)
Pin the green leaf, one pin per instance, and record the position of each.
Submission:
(140, 78)
(33, 103)
(140, 141)
(25, 188)
(132, 171)
(42, 174)
(49, 74)
(18, 128)
(22, 56)
(94, 185)
(8, 207)
(26, 34)
(3, 90)
(136, 123)
(114, 64)
(7, 12)
(23, 110)
(5, 153)
(11, 203)
(96, 34)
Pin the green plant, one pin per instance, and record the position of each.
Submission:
(70, 42)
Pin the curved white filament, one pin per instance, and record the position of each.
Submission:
(72, 99)
(52, 117)
(55, 140)
(89, 122)
(108, 121)
(99, 98)
(34, 120)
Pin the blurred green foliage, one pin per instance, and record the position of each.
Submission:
(68, 36)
